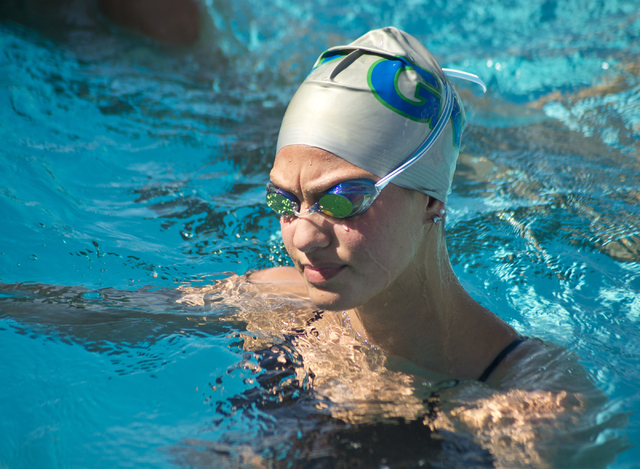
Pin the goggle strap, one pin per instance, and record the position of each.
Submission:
(439, 128)
(465, 76)
(428, 143)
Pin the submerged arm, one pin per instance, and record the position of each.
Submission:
(90, 316)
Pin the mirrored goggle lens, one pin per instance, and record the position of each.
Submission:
(280, 203)
(349, 198)
(335, 205)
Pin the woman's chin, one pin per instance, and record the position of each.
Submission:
(329, 301)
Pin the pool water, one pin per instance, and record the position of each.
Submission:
(133, 179)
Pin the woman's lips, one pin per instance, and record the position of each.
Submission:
(317, 274)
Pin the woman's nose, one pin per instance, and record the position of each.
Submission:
(311, 232)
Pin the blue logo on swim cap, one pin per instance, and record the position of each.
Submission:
(423, 106)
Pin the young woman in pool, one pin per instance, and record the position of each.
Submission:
(376, 111)
(365, 158)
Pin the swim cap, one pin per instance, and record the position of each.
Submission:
(373, 103)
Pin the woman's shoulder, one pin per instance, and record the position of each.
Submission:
(540, 408)
(538, 364)
(284, 280)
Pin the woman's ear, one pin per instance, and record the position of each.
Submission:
(435, 211)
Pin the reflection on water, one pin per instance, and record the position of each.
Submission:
(133, 178)
(315, 391)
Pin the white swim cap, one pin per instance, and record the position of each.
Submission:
(374, 103)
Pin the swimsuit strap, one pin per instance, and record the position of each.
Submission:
(501, 356)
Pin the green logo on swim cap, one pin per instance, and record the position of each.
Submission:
(383, 79)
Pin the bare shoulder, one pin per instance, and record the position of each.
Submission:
(536, 364)
(284, 280)
(541, 409)
(276, 274)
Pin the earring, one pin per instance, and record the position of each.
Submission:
(438, 218)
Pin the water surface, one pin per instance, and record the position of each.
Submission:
(133, 172)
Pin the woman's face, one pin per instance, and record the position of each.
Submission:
(348, 262)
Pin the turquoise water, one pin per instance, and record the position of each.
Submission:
(131, 169)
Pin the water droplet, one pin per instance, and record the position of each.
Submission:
(186, 235)
(33, 257)
(346, 228)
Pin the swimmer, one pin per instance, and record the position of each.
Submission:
(172, 22)
(363, 169)
(365, 158)
(176, 22)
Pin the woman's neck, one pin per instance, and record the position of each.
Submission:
(427, 317)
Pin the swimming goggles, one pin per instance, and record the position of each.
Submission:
(347, 199)
(355, 196)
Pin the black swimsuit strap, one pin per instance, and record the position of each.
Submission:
(501, 356)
